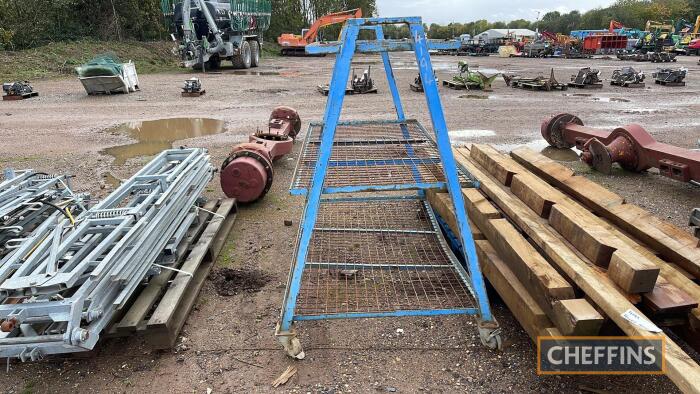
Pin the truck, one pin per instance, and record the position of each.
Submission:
(211, 31)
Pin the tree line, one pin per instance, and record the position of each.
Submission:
(29, 23)
(631, 13)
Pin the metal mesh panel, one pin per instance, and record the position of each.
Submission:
(373, 154)
(379, 256)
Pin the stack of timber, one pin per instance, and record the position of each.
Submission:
(569, 257)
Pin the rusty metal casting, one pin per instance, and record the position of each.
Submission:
(632, 147)
(247, 172)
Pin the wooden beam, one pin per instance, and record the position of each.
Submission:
(502, 171)
(682, 370)
(673, 244)
(473, 197)
(516, 296)
(668, 299)
(442, 205)
(577, 317)
(534, 192)
(591, 240)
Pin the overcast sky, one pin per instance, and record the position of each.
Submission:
(446, 11)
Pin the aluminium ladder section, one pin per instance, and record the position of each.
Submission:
(324, 164)
(59, 292)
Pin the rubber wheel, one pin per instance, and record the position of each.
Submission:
(254, 53)
(243, 59)
(213, 63)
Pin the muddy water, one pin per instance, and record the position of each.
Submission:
(154, 136)
(543, 147)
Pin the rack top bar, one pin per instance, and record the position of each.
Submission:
(376, 46)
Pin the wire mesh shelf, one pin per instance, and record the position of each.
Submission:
(370, 155)
(379, 256)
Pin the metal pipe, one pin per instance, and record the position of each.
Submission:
(212, 27)
(632, 147)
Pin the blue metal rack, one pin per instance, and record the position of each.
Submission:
(380, 252)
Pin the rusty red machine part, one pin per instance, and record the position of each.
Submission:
(247, 172)
(632, 147)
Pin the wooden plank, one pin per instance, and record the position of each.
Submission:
(169, 303)
(533, 270)
(484, 155)
(220, 238)
(632, 271)
(134, 317)
(442, 205)
(474, 199)
(591, 240)
(577, 317)
(582, 189)
(513, 293)
(535, 193)
(681, 369)
(668, 299)
(671, 242)
(549, 169)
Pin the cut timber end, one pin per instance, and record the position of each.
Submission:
(475, 200)
(513, 293)
(442, 204)
(490, 159)
(577, 317)
(588, 238)
(632, 271)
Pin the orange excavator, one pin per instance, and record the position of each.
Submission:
(294, 44)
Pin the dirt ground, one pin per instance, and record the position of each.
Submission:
(227, 344)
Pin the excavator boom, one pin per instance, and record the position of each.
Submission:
(293, 44)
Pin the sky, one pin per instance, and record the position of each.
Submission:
(446, 11)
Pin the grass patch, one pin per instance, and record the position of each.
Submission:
(60, 59)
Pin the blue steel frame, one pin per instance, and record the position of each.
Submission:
(345, 50)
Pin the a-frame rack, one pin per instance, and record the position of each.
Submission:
(379, 252)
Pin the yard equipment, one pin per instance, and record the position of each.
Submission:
(627, 77)
(632, 147)
(106, 74)
(417, 84)
(294, 44)
(247, 172)
(468, 79)
(661, 57)
(670, 77)
(537, 83)
(362, 84)
(371, 242)
(18, 90)
(59, 291)
(209, 32)
(193, 88)
(587, 78)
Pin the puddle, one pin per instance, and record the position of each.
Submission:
(474, 96)
(258, 73)
(458, 136)
(611, 99)
(153, 136)
(270, 90)
(577, 95)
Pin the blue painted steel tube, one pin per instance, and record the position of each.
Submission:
(334, 105)
(449, 164)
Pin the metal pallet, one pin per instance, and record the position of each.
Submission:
(379, 252)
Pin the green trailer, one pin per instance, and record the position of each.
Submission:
(211, 31)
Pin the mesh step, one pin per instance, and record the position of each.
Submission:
(368, 155)
(379, 256)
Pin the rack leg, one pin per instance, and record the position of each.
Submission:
(334, 105)
(487, 324)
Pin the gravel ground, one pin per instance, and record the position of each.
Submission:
(228, 344)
